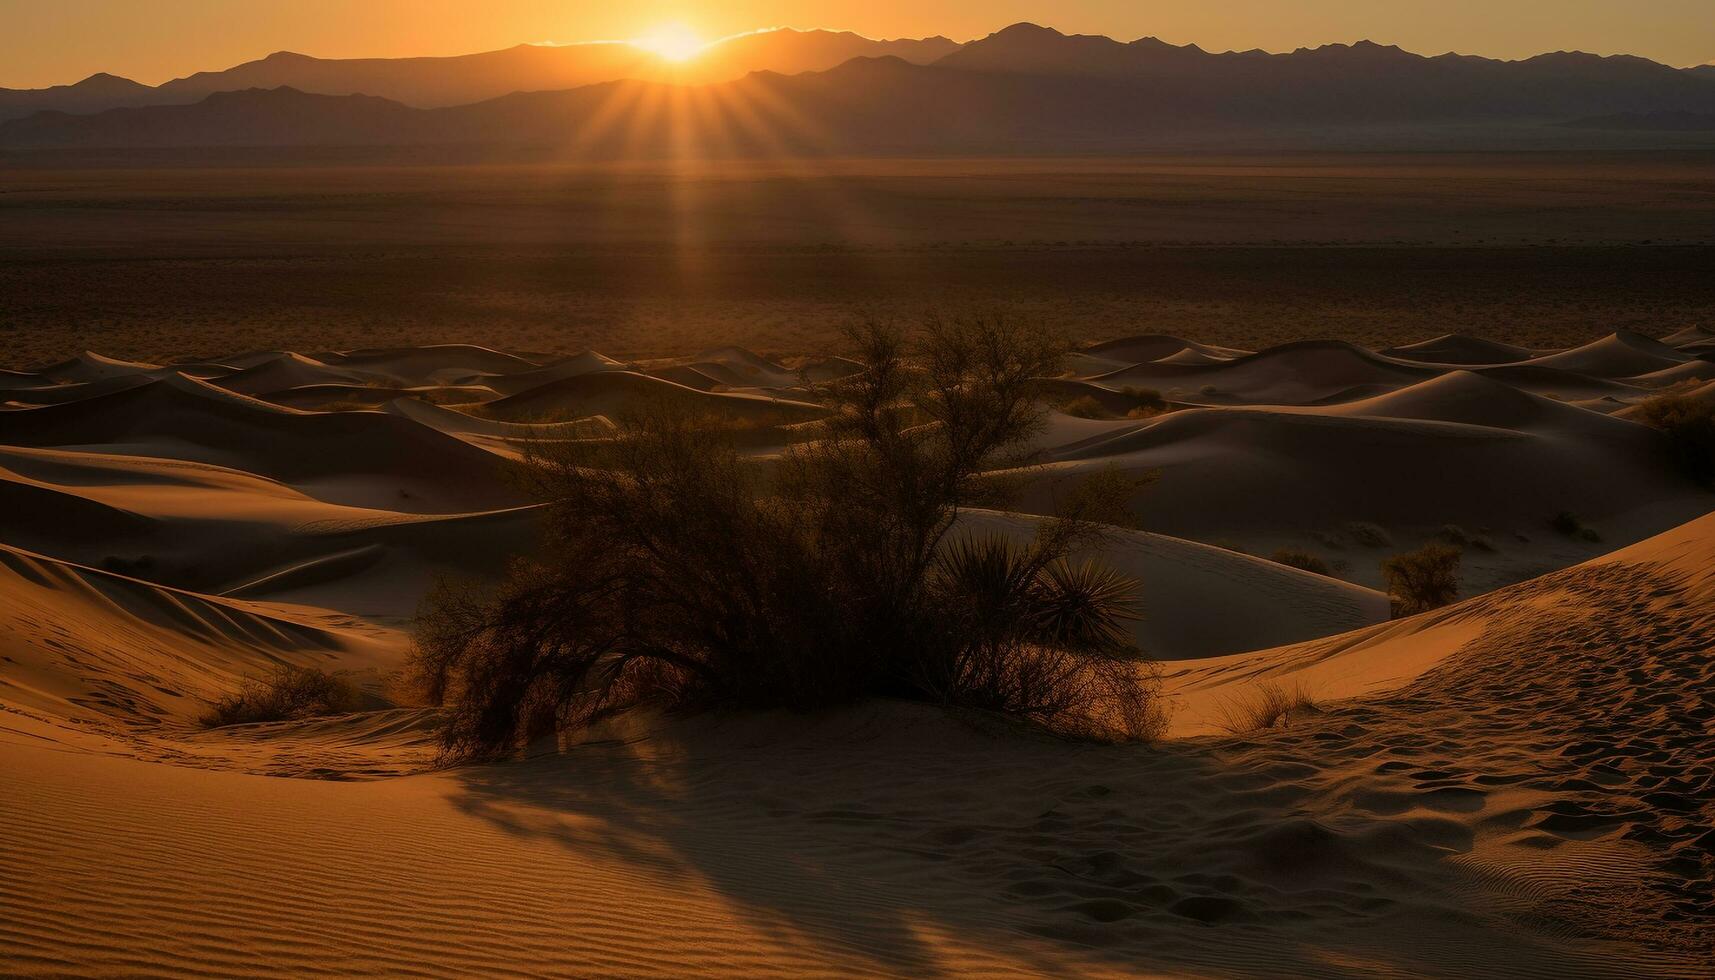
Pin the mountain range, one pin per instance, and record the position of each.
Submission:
(463, 79)
(1022, 88)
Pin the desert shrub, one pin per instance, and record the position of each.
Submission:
(1690, 428)
(286, 693)
(673, 572)
(1086, 407)
(1265, 706)
(1427, 578)
(1299, 558)
(1369, 535)
(1149, 402)
(1568, 523)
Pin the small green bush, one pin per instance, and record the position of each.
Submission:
(1420, 580)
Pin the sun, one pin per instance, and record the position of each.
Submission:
(672, 41)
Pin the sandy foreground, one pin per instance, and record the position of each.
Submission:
(1520, 784)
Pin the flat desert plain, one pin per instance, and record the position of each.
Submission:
(1540, 249)
(1519, 783)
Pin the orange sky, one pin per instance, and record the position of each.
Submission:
(45, 42)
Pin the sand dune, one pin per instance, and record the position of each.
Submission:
(612, 393)
(90, 647)
(90, 366)
(1618, 355)
(287, 371)
(1460, 349)
(357, 458)
(1284, 375)
(1201, 601)
(1459, 449)
(1155, 347)
(1698, 370)
(436, 364)
(1512, 785)
(1503, 801)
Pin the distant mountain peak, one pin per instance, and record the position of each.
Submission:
(1025, 28)
(106, 82)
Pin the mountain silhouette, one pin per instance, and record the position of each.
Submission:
(1026, 88)
(463, 79)
(93, 94)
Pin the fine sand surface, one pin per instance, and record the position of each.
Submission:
(1519, 784)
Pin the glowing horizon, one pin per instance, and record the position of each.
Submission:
(66, 42)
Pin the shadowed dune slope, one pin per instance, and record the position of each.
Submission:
(1289, 374)
(613, 393)
(1458, 449)
(92, 647)
(359, 458)
(1508, 802)
(1460, 349)
(1200, 601)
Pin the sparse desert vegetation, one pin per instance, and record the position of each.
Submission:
(1264, 706)
(863, 660)
(1421, 580)
(288, 692)
(676, 574)
(1689, 424)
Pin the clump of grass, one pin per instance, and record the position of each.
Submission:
(286, 693)
(1568, 524)
(1266, 706)
(1299, 558)
(676, 572)
(1420, 580)
(1690, 428)
(1369, 535)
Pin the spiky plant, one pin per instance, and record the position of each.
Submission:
(1084, 606)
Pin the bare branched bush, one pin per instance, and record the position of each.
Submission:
(676, 572)
(1425, 579)
(1265, 706)
(286, 693)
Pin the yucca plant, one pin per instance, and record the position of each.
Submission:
(1085, 606)
(1027, 634)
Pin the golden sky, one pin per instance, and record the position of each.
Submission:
(46, 42)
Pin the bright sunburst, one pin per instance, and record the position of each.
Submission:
(673, 41)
